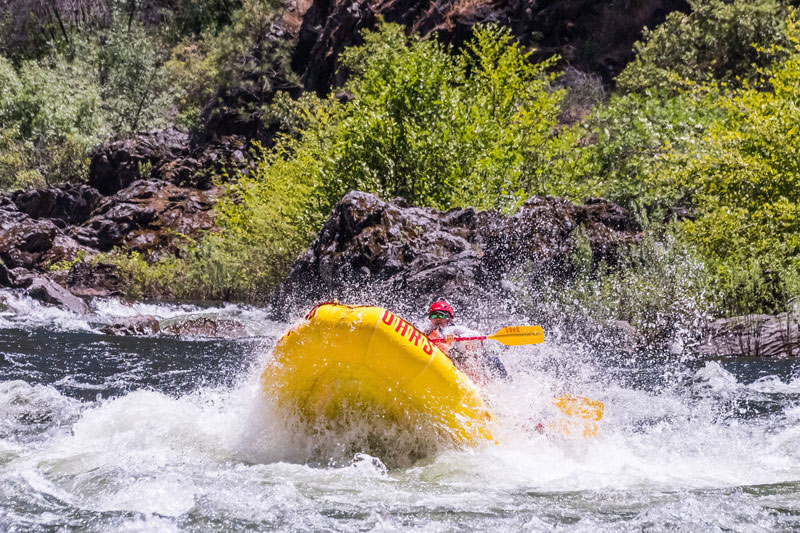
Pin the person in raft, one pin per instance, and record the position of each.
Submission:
(469, 356)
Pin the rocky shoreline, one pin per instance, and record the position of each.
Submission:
(369, 251)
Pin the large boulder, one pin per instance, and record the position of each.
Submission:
(50, 292)
(68, 204)
(388, 253)
(116, 165)
(23, 243)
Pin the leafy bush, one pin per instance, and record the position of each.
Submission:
(745, 181)
(51, 117)
(54, 110)
(717, 41)
(476, 129)
(637, 137)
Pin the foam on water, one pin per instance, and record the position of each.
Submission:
(692, 453)
(25, 312)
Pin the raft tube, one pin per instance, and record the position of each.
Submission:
(341, 357)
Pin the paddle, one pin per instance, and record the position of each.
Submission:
(510, 336)
(579, 406)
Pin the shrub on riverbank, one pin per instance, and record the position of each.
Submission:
(110, 71)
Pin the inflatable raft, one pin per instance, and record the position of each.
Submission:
(345, 359)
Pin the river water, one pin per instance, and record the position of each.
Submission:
(104, 433)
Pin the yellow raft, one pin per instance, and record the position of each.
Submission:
(344, 358)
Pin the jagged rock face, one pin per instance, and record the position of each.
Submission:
(116, 165)
(147, 216)
(754, 336)
(41, 227)
(595, 37)
(373, 251)
(70, 204)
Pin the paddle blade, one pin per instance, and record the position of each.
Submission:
(587, 429)
(519, 335)
(580, 406)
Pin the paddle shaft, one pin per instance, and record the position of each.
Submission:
(510, 336)
(460, 339)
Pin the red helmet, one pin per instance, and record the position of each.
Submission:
(441, 305)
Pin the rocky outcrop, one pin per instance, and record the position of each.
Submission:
(753, 336)
(166, 155)
(148, 216)
(388, 252)
(205, 327)
(116, 165)
(595, 37)
(135, 325)
(50, 292)
(70, 204)
(47, 227)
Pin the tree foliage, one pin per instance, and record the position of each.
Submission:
(55, 109)
(717, 41)
(478, 128)
(745, 181)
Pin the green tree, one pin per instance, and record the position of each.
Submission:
(745, 181)
(131, 77)
(637, 138)
(476, 129)
(717, 41)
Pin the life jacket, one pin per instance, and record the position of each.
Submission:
(442, 345)
(462, 361)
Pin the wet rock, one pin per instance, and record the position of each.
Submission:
(6, 278)
(386, 252)
(224, 328)
(49, 292)
(70, 204)
(753, 336)
(22, 277)
(23, 243)
(137, 325)
(91, 278)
